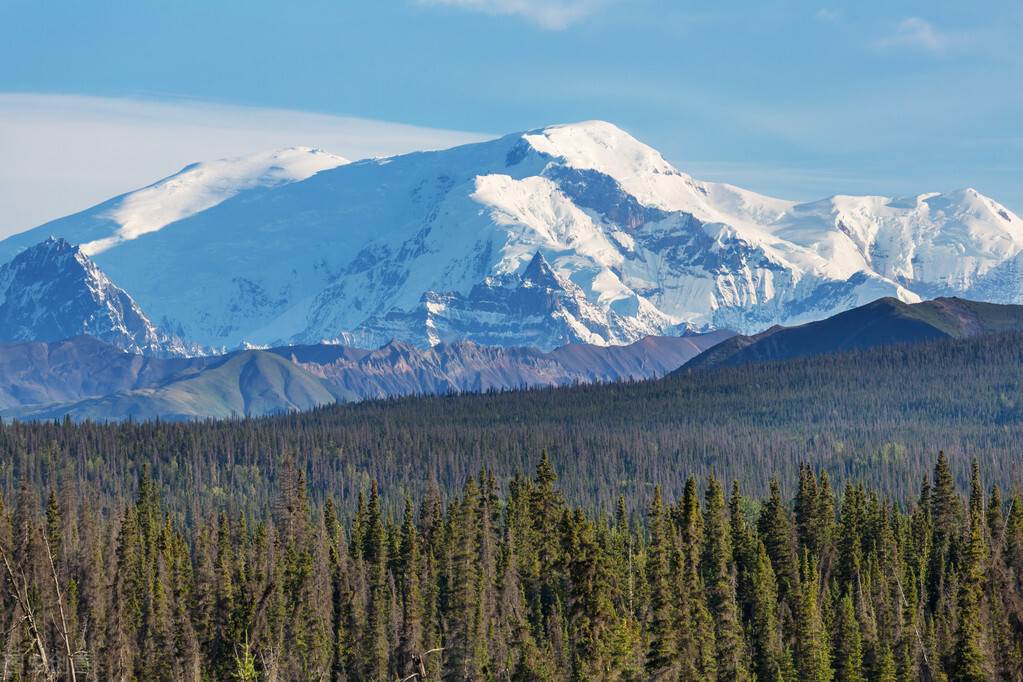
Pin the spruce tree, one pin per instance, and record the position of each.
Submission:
(689, 520)
(662, 649)
(128, 594)
(411, 635)
(375, 646)
(775, 529)
(719, 577)
(54, 526)
(850, 533)
(806, 508)
(847, 646)
(545, 511)
(1014, 539)
(697, 648)
(968, 658)
(461, 659)
(995, 518)
(591, 612)
(824, 522)
(813, 657)
(946, 511)
(886, 670)
(765, 630)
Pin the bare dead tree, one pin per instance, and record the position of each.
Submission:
(916, 625)
(19, 592)
(271, 667)
(65, 636)
(419, 660)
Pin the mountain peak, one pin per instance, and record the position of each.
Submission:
(58, 244)
(395, 345)
(595, 127)
(539, 271)
(52, 291)
(50, 254)
(598, 145)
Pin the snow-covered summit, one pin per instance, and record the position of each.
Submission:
(603, 147)
(935, 243)
(643, 173)
(298, 246)
(200, 186)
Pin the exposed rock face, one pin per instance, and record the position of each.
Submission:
(399, 368)
(537, 308)
(53, 291)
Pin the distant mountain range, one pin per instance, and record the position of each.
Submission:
(884, 322)
(87, 379)
(566, 234)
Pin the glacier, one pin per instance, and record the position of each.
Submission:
(569, 233)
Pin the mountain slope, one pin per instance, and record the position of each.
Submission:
(85, 378)
(41, 373)
(437, 246)
(247, 383)
(194, 189)
(53, 291)
(401, 369)
(884, 322)
(537, 308)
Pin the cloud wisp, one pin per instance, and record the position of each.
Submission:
(916, 33)
(65, 153)
(552, 15)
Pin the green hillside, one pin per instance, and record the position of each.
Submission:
(242, 384)
(886, 321)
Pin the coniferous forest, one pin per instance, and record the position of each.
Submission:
(876, 416)
(785, 521)
(832, 585)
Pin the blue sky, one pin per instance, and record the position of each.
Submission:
(796, 99)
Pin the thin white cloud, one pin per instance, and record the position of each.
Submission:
(553, 15)
(917, 33)
(830, 14)
(64, 153)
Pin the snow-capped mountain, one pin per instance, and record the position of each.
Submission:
(52, 291)
(569, 233)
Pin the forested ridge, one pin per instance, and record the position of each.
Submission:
(876, 416)
(830, 585)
